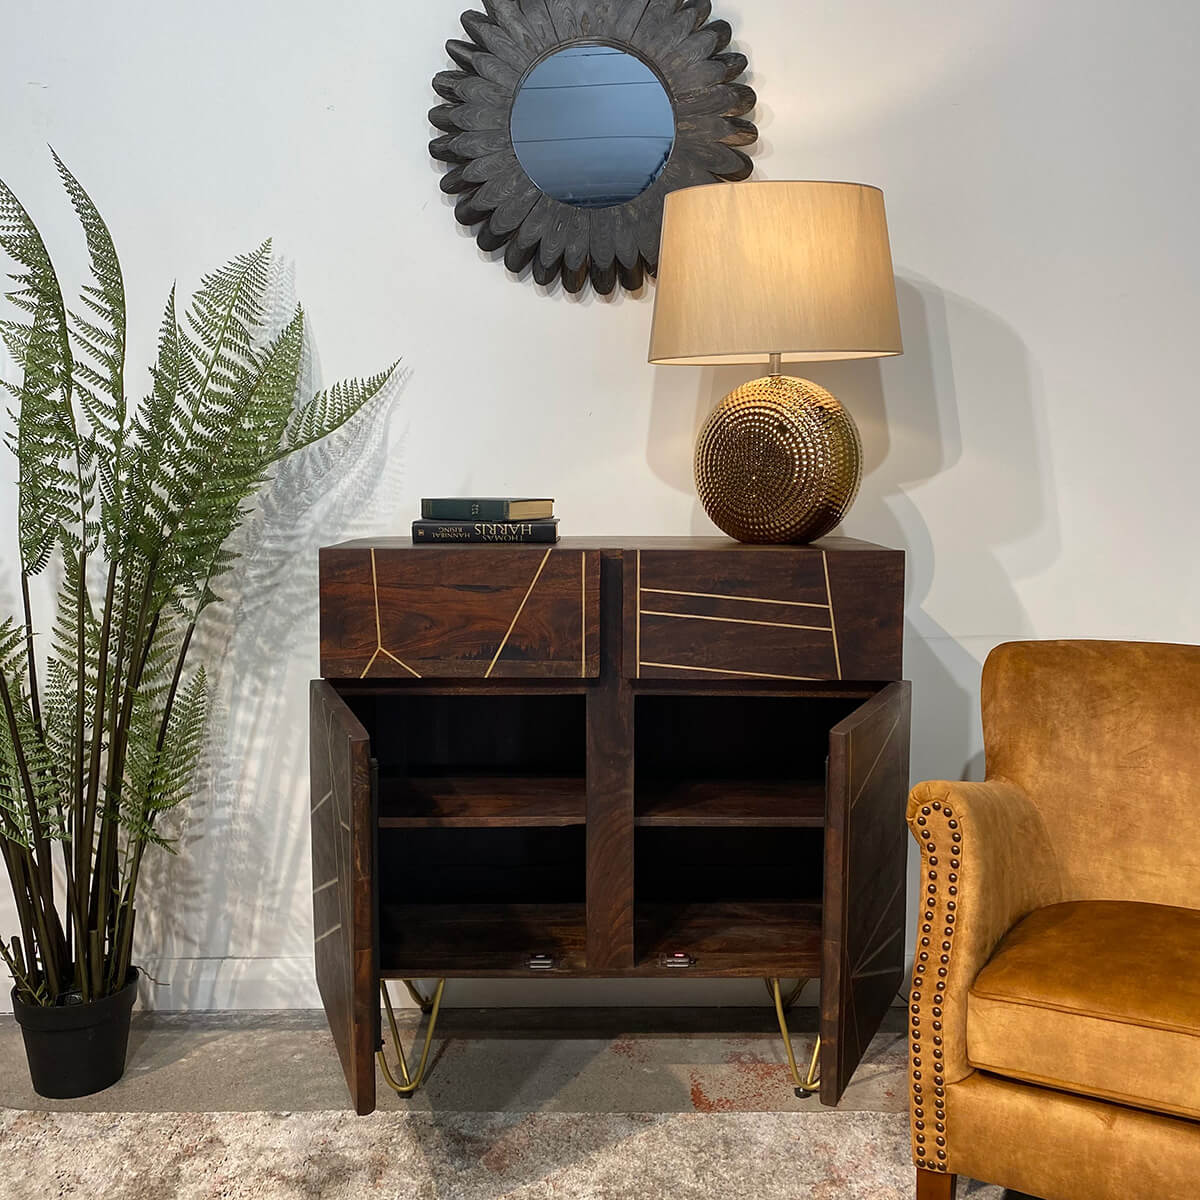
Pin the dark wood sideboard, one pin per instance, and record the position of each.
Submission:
(629, 758)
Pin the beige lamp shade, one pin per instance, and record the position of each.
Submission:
(799, 269)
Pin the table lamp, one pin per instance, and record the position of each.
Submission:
(773, 272)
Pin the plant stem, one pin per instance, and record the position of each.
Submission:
(88, 799)
(34, 698)
(126, 918)
(40, 878)
(16, 860)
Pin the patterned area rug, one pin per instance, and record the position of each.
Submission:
(459, 1156)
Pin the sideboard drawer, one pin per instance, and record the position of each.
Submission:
(786, 612)
(473, 612)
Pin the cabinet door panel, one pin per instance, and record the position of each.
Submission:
(865, 855)
(343, 860)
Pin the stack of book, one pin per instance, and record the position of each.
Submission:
(485, 519)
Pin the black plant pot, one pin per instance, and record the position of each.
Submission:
(77, 1049)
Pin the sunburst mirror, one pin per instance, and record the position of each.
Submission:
(569, 121)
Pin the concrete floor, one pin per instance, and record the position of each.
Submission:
(589, 1067)
(497, 1060)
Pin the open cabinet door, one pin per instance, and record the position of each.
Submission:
(866, 845)
(343, 786)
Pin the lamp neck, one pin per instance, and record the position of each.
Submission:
(776, 367)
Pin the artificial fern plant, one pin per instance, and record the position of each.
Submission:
(103, 716)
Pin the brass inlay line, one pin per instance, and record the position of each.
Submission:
(516, 616)
(872, 974)
(398, 662)
(837, 658)
(647, 612)
(321, 801)
(322, 936)
(327, 884)
(375, 593)
(879, 949)
(871, 769)
(722, 671)
(862, 962)
(638, 634)
(718, 596)
(379, 648)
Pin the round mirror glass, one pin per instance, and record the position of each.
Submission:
(592, 126)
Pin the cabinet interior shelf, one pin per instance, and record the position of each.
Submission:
(475, 939)
(784, 803)
(480, 801)
(499, 801)
(729, 939)
(732, 938)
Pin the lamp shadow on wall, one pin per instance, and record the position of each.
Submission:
(238, 889)
(908, 413)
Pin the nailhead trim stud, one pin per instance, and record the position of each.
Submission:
(931, 1077)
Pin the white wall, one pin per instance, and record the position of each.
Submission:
(1034, 451)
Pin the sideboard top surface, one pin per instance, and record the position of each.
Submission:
(623, 543)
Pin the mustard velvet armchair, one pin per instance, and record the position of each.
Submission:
(1054, 1018)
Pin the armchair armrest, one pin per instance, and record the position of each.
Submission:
(986, 862)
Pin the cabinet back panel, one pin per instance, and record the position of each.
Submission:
(742, 737)
(684, 866)
(423, 735)
(481, 866)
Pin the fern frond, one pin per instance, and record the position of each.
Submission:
(16, 817)
(61, 708)
(100, 382)
(51, 496)
(161, 762)
(329, 410)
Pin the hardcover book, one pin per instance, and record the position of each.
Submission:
(485, 531)
(486, 508)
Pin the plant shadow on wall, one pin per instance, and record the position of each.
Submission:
(910, 412)
(104, 706)
(241, 886)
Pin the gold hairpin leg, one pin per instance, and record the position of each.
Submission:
(424, 1003)
(807, 1086)
(411, 1081)
(791, 997)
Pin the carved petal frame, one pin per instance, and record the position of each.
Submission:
(676, 39)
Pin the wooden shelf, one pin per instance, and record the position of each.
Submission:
(784, 803)
(426, 940)
(765, 939)
(480, 801)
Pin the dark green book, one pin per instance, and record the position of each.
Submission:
(430, 532)
(486, 508)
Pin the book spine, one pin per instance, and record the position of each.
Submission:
(485, 531)
(464, 510)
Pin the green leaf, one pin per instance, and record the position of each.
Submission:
(51, 496)
(329, 410)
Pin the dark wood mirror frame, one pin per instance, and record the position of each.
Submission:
(687, 52)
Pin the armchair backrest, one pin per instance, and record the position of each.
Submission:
(1104, 738)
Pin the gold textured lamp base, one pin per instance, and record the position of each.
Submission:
(779, 460)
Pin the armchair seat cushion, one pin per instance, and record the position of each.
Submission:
(1100, 998)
